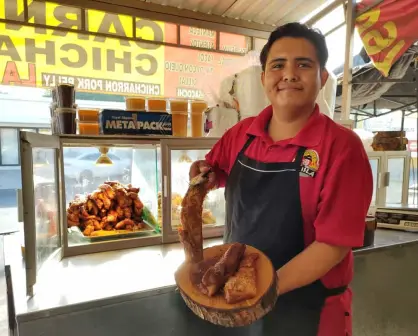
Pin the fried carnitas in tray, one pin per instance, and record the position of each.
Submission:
(112, 207)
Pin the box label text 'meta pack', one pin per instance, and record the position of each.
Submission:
(135, 123)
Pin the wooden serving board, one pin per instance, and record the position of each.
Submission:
(215, 309)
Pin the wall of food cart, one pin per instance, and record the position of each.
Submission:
(106, 56)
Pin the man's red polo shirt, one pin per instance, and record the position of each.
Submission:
(334, 200)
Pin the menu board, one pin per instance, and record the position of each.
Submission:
(234, 43)
(197, 37)
(197, 74)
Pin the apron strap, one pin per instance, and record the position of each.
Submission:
(247, 144)
(335, 291)
(299, 155)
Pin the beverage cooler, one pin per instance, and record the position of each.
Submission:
(102, 193)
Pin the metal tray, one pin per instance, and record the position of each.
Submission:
(116, 234)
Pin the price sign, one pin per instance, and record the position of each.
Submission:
(387, 30)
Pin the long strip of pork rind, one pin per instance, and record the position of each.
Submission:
(243, 285)
(191, 220)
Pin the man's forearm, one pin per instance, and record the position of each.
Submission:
(310, 265)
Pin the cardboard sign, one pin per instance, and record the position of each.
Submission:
(135, 123)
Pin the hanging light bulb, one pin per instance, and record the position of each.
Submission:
(103, 159)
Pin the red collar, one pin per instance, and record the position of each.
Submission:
(310, 135)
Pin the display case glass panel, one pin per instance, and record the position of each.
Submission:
(111, 192)
(39, 204)
(213, 206)
(374, 164)
(396, 169)
(46, 197)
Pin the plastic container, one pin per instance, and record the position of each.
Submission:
(135, 103)
(178, 105)
(179, 116)
(369, 232)
(179, 121)
(88, 128)
(88, 115)
(157, 105)
(66, 120)
(197, 110)
(65, 95)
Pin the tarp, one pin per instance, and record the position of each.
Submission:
(365, 93)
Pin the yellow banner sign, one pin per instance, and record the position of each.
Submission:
(36, 56)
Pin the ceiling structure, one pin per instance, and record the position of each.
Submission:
(374, 95)
(266, 12)
(255, 18)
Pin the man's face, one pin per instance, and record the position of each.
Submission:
(293, 76)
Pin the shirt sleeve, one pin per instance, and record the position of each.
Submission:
(219, 158)
(345, 197)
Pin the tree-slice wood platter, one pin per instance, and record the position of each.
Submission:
(215, 309)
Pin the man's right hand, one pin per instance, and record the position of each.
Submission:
(199, 167)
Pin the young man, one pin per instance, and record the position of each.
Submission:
(297, 187)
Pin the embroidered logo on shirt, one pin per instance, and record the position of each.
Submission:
(310, 163)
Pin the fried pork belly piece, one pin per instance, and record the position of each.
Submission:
(114, 184)
(122, 224)
(108, 190)
(112, 216)
(92, 207)
(138, 206)
(243, 285)
(73, 218)
(88, 230)
(217, 275)
(199, 269)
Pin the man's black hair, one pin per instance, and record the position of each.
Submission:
(297, 30)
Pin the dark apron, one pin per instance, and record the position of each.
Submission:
(263, 209)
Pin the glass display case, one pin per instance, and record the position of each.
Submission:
(178, 154)
(100, 193)
(390, 178)
(110, 189)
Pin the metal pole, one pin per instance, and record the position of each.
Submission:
(403, 120)
(416, 87)
(348, 64)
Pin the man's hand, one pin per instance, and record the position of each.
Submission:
(309, 265)
(199, 167)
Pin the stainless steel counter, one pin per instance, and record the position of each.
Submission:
(386, 239)
(102, 279)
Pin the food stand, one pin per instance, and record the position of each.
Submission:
(72, 283)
